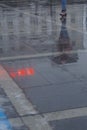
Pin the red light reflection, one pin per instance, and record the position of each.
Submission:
(23, 72)
(13, 74)
(30, 71)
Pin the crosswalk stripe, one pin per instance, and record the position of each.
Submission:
(41, 55)
(66, 114)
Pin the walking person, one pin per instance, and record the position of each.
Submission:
(63, 7)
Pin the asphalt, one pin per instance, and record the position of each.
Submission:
(43, 67)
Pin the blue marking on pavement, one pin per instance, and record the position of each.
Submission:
(4, 123)
(2, 114)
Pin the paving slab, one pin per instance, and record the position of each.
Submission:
(73, 124)
(44, 73)
(58, 97)
(6, 105)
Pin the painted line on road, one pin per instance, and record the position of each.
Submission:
(66, 114)
(2, 114)
(4, 123)
(21, 57)
(36, 123)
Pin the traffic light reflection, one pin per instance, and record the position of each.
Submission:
(22, 72)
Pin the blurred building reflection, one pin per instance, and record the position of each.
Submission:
(20, 29)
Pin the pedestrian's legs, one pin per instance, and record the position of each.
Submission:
(63, 4)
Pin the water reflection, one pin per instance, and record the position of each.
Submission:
(22, 72)
(65, 48)
(23, 32)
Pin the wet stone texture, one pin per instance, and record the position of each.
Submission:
(72, 124)
(51, 87)
(9, 112)
(6, 105)
(57, 97)
(21, 128)
(55, 79)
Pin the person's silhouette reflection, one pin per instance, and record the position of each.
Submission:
(64, 47)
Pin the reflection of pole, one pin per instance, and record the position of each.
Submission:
(64, 41)
(65, 47)
(36, 7)
(53, 18)
(51, 10)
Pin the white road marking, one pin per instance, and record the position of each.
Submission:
(19, 57)
(66, 114)
(36, 123)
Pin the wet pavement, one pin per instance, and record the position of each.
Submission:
(7, 111)
(73, 124)
(43, 79)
